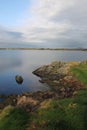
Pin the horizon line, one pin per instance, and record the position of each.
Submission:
(41, 48)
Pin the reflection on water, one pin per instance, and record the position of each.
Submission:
(22, 63)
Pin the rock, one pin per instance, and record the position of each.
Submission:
(27, 103)
(55, 70)
(19, 79)
(75, 93)
(26, 100)
(72, 105)
(56, 81)
(58, 76)
(68, 77)
(41, 81)
(58, 64)
(21, 100)
(62, 89)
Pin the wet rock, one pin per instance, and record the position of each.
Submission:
(19, 79)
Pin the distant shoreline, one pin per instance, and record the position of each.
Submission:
(65, 49)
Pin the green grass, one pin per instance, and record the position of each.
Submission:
(13, 119)
(81, 73)
(66, 114)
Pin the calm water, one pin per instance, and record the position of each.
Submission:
(13, 62)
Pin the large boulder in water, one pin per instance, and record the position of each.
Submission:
(19, 79)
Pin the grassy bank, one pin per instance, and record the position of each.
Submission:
(81, 73)
(13, 119)
(64, 114)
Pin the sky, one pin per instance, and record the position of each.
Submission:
(43, 23)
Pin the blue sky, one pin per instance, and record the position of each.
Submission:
(43, 23)
(11, 11)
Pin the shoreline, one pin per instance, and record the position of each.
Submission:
(60, 80)
(53, 49)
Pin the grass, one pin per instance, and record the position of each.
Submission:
(65, 114)
(81, 73)
(13, 119)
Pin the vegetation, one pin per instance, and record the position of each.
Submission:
(13, 119)
(81, 73)
(64, 114)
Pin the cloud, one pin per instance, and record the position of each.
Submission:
(9, 36)
(63, 21)
(51, 23)
(40, 27)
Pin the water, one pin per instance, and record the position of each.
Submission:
(23, 62)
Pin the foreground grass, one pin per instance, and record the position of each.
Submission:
(13, 119)
(65, 114)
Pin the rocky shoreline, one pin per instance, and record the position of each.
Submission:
(58, 76)
(61, 81)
